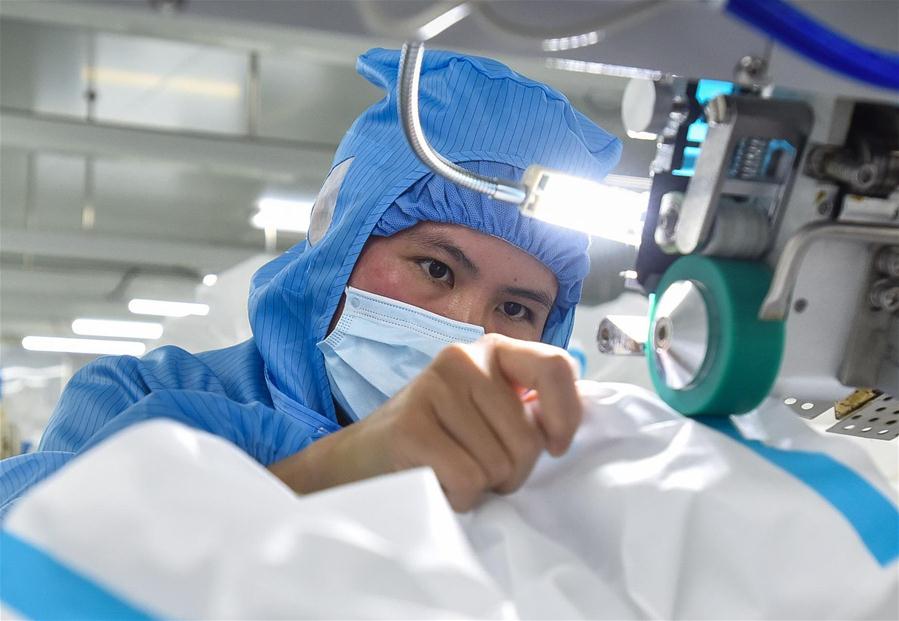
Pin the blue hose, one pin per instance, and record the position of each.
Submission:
(804, 35)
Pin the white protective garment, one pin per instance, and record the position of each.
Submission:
(649, 515)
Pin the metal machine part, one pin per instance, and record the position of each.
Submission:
(866, 161)
(666, 226)
(679, 336)
(807, 409)
(876, 175)
(622, 335)
(747, 187)
(855, 401)
(887, 261)
(836, 340)
(867, 359)
(739, 230)
(668, 170)
(832, 334)
(750, 153)
(877, 419)
(751, 72)
(542, 193)
(409, 72)
(646, 106)
(857, 208)
(667, 153)
(866, 355)
(777, 303)
(884, 295)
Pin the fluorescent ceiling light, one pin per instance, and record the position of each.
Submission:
(83, 346)
(210, 279)
(282, 215)
(17, 378)
(641, 135)
(136, 79)
(165, 308)
(122, 329)
(571, 43)
(41, 373)
(619, 71)
(444, 21)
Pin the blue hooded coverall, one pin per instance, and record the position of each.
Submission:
(270, 395)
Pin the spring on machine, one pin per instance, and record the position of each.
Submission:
(749, 159)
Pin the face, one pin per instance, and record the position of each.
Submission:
(460, 274)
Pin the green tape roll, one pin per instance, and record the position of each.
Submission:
(744, 353)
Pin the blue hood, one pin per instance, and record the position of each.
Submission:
(473, 110)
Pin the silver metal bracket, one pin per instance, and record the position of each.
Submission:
(878, 419)
(623, 335)
(736, 160)
(807, 409)
(777, 303)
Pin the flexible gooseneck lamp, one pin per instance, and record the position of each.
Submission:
(545, 194)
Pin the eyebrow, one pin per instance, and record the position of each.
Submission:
(440, 241)
(535, 296)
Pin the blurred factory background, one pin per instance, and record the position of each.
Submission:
(161, 150)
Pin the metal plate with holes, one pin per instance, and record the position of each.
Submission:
(807, 409)
(879, 419)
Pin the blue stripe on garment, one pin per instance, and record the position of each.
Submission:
(870, 513)
(37, 586)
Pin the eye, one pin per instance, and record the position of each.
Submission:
(517, 311)
(437, 270)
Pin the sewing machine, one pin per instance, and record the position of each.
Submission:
(770, 251)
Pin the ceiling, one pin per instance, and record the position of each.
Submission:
(141, 189)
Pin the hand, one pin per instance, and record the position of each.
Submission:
(465, 416)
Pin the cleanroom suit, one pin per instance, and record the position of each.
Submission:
(270, 396)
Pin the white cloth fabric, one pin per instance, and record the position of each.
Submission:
(649, 515)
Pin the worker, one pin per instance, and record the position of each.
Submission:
(419, 324)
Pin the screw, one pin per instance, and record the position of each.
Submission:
(866, 175)
(666, 227)
(887, 261)
(884, 295)
(717, 111)
(800, 305)
(662, 334)
(605, 339)
(752, 67)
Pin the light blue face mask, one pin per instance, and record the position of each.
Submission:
(379, 345)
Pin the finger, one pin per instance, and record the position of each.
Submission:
(552, 373)
(461, 477)
(496, 404)
(519, 432)
(462, 418)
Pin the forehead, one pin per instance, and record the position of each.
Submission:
(495, 258)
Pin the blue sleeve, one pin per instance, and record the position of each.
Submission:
(264, 434)
(19, 473)
(116, 392)
(110, 385)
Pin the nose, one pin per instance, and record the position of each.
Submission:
(468, 307)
